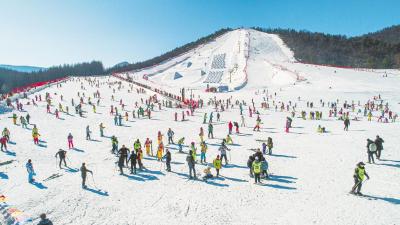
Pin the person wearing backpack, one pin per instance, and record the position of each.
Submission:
(371, 149)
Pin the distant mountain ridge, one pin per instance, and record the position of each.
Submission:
(24, 69)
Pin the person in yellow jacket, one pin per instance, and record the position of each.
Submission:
(14, 118)
(369, 116)
(201, 135)
(229, 140)
(194, 151)
(359, 175)
(160, 151)
(256, 166)
(147, 145)
(217, 164)
(35, 135)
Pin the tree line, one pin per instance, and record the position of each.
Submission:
(10, 79)
(339, 50)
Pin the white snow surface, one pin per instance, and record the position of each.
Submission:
(312, 173)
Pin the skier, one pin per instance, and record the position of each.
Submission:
(167, 157)
(101, 126)
(359, 174)
(270, 145)
(114, 143)
(201, 134)
(180, 143)
(170, 134)
(203, 147)
(258, 122)
(371, 150)
(123, 154)
(236, 126)
(3, 142)
(62, 154)
(147, 145)
(230, 126)
(70, 141)
(44, 220)
(217, 164)
(379, 146)
(30, 170)
(210, 131)
(264, 168)
(160, 151)
(132, 159)
(84, 172)
(223, 150)
(35, 135)
(264, 148)
(191, 163)
(346, 123)
(88, 132)
(28, 117)
(256, 166)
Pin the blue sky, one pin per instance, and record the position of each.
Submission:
(53, 32)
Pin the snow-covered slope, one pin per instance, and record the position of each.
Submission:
(311, 172)
(231, 61)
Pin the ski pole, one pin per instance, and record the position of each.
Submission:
(94, 183)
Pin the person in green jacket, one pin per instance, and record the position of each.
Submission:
(359, 175)
(256, 166)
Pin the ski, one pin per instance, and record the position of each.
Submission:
(53, 176)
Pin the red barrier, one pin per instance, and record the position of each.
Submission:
(35, 85)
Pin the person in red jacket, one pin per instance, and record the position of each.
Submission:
(230, 126)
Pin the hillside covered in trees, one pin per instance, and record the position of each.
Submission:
(171, 54)
(369, 51)
(10, 79)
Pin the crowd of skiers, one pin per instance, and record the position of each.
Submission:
(257, 163)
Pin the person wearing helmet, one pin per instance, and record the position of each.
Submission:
(359, 175)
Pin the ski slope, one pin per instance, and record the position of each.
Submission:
(311, 173)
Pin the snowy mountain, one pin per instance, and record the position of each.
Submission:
(310, 173)
(25, 69)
